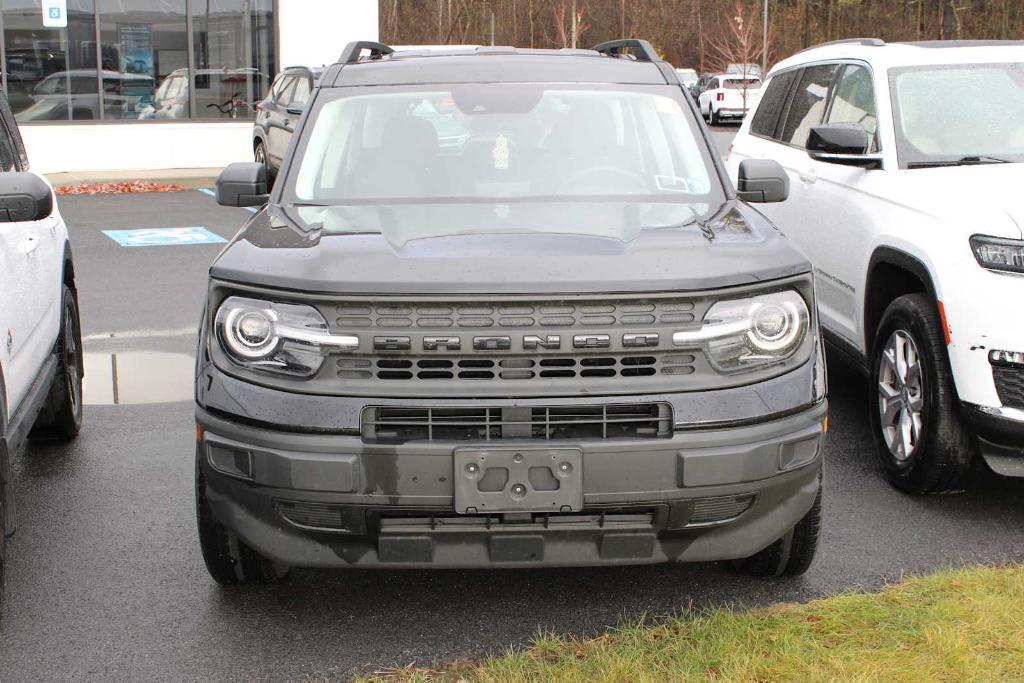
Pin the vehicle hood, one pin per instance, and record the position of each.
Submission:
(736, 245)
(974, 199)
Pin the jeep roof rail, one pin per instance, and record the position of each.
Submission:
(354, 50)
(642, 50)
(869, 42)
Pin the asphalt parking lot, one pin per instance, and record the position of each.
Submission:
(105, 577)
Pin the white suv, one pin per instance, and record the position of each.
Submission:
(40, 337)
(727, 96)
(906, 163)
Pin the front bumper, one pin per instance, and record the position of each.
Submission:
(331, 500)
(1000, 435)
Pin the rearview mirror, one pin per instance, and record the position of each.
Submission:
(243, 184)
(842, 143)
(762, 181)
(24, 197)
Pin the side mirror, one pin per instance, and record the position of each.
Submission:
(842, 143)
(296, 108)
(761, 181)
(243, 184)
(24, 197)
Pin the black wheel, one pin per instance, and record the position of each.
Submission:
(713, 117)
(228, 559)
(919, 435)
(260, 155)
(792, 554)
(3, 544)
(61, 416)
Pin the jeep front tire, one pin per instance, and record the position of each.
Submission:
(920, 438)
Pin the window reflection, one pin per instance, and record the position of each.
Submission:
(234, 47)
(142, 68)
(142, 43)
(51, 73)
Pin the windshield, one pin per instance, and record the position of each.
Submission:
(504, 158)
(949, 113)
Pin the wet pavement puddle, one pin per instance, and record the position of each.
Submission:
(137, 377)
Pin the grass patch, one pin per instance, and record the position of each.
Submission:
(957, 625)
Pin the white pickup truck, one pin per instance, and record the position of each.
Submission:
(40, 336)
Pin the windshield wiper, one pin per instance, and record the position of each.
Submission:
(962, 161)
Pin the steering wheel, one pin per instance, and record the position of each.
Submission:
(606, 177)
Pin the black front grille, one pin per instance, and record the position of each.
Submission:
(483, 368)
(1009, 385)
(616, 421)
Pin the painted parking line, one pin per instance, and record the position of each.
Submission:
(163, 237)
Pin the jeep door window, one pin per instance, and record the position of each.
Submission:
(773, 101)
(502, 147)
(854, 102)
(958, 114)
(807, 108)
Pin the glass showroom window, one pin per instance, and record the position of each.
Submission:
(148, 67)
(234, 56)
(143, 46)
(50, 72)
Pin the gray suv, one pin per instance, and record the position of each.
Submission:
(565, 340)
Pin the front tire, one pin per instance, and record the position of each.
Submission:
(792, 554)
(260, 155)
(919, 435)
(228, 559)
(61, 416)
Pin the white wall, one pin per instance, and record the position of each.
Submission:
(138, 146)
(313, 32)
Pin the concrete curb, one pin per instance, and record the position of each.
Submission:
(190, 178)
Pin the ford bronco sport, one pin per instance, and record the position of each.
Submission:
(558, 337)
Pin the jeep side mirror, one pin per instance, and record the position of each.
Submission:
(842, 143)
(243, 184)
(24, 197)
(762, 181)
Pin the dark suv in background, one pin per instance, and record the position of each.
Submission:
(564, 340)
(278, 113)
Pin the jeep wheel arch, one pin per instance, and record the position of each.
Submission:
(891, 274)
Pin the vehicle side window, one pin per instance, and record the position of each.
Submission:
(807, 108)
(11, 158)
(284, 81)
(854, 102)
(766, 118)
(301, 93)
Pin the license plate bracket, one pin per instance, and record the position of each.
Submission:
(490, 480)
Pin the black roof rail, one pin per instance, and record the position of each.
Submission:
(642, 50)
(868, 42)
(354, 50)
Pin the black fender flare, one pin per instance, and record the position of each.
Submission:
(900, 259)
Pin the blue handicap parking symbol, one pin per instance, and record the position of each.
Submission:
(55, 12)
(163, 237)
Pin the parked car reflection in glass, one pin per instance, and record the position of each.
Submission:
(74, 92)
(220, 93)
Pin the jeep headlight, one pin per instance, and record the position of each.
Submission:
(997, 253)
(746, 334)
(290, 339)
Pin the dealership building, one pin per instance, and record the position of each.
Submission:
(102, 85)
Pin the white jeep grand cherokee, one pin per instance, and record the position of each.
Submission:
(906, 163)
(40, 337)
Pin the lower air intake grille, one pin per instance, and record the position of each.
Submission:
(619, 421)
(1009, 385)
(707, 511)
(314, 516)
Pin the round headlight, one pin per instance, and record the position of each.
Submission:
(774, 326)
(250, 333)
